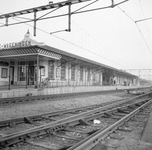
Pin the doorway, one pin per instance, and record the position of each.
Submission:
(12, 75)
(31, 69)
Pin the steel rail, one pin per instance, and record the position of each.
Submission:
(115, 110)
(31, 118)
(44, 129)
(36, 117)
(98, 136)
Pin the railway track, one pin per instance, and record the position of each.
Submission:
(52, 116)
(29, 97)
(93, 140)
(69, 131)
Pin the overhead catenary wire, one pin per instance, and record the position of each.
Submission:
(87, 49)
(145, 21)
(93, 37)
(98, 41)
(144, 39)
(75, 12)
(138, 30)
(71, 43)
(126, 14)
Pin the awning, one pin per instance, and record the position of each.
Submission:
(24, 51)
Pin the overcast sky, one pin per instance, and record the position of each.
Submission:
(109, 36)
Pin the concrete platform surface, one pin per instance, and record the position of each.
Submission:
(63, 90)
(147, 134)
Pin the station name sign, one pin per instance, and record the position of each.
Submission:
(15, 45)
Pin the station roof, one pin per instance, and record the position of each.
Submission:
(31, 48)
(63, 53)
(54, 53)
(28, 51)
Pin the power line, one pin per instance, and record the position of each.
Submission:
(126, 14)
(138, 29)
(52, 6)
(144, 39)
(71, 43)
(145, 22)
(97, 41)
(92, 37)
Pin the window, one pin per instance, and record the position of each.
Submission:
(57, 72)
(72, 72)
(63, 71)
(94, 77)
(42, 70)
(51, 70)
(21, 73)
(12, 63)
(89, 76)
(25, 68)
(4, 72)
(81, 73)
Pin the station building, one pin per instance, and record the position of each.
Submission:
(33, 64)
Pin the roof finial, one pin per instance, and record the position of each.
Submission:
(28, 32)
(27, 35)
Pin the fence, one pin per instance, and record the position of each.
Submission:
(12, 82)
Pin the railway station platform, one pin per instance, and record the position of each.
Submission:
(23, 92)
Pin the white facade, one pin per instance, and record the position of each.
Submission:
(20, 68)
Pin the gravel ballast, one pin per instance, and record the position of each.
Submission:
(42, 106)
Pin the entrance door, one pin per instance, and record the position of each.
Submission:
(30, 75)
(12, 75)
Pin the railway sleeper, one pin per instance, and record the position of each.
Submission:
(24, 138)
(117, 115)
(83, 122)
(136, 120)
(120, 114)
(77, 130)
(10, 123)
(27, 120)
(142, 116)
(111, 146)
(116, 136)
(84, 129)
(53, 119)
(148, 110)
(107, 115)
(51, 146)
(130, 108)
(123, 111)
(125, 129)
(138, 104)
(76, 138)
(12, 142)
(37, 118)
